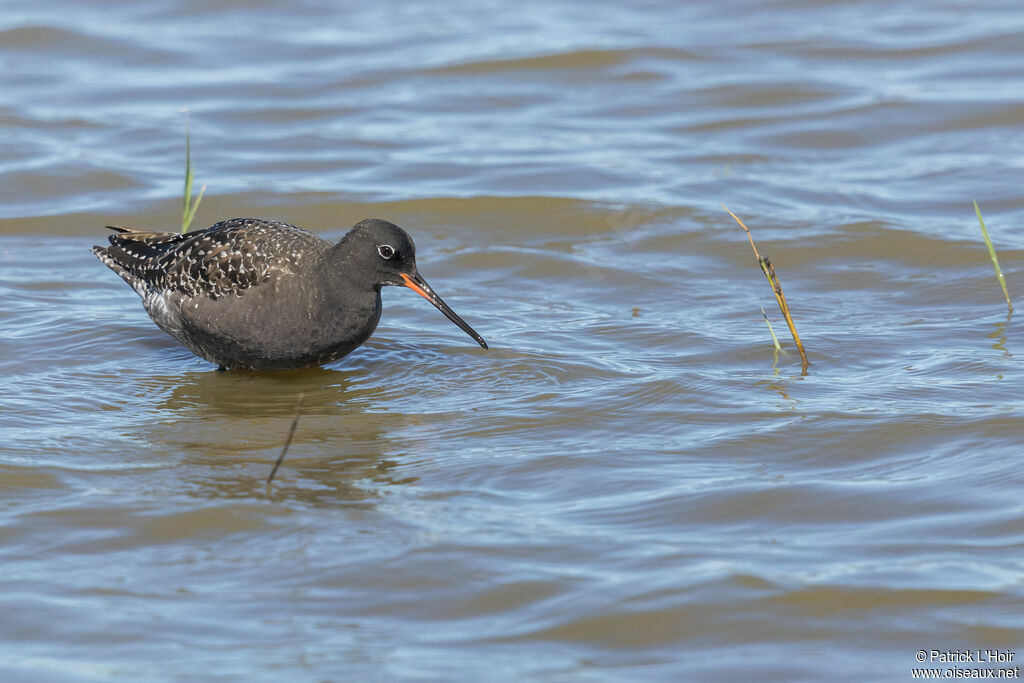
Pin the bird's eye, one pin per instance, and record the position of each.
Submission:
(386, 251)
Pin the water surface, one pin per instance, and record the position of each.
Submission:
(630, 484)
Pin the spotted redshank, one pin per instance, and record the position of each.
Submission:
(263, 295)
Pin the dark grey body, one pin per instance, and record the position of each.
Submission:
(255, 294)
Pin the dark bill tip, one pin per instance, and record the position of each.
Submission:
(417, 284)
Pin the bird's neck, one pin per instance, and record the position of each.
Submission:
(348, 283)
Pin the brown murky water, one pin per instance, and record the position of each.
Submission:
(629, 485)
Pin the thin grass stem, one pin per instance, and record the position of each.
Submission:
(992, 255)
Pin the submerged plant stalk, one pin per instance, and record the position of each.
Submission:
(288, 439)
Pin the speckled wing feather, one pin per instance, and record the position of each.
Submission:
(227, 258)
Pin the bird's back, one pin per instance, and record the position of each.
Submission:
(225, 259)
(242, 293)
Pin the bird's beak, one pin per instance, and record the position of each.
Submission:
(416, 283)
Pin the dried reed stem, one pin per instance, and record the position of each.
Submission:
(773, 280)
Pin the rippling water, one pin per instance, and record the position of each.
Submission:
(630, 484)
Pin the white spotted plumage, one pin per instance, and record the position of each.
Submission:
(224, 260)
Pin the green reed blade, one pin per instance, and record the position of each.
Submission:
(188, 207)
(186, 199)
(771, 330)
(992, 255)
(194, 208)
